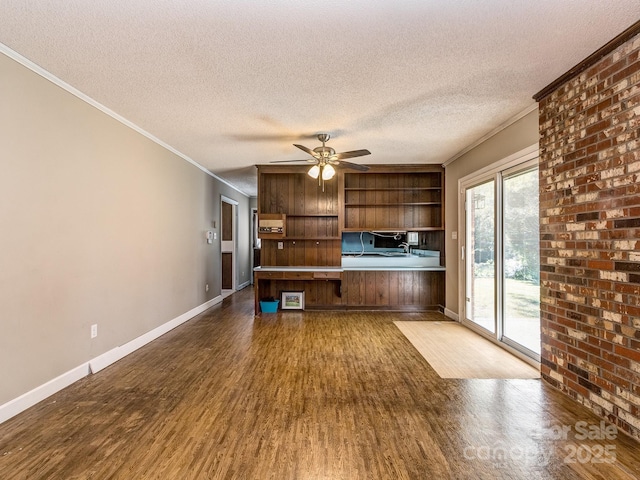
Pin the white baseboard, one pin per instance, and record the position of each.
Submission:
(102, 361)
(30, 398)
(451, 314)
(243, 285)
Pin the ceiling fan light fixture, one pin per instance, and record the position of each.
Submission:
(328, 172)
(324, 156)
(314, 171)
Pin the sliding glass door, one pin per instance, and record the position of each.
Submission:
(521, 259)
(501, 256)
(480, 256)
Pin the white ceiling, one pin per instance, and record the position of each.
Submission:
(234, 83)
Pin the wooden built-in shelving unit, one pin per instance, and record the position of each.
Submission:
(392, 197)
(313, 234)
(385, 198)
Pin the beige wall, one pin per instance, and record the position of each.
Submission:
(521, 134)
(99, 225)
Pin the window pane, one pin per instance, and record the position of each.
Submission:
(480, 263)
(521, 263)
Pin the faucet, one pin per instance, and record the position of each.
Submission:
(405, 247)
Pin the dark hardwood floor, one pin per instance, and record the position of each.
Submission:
(313, 395)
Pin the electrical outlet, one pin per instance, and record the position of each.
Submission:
(206, 287)
(280, 245)
(94, 330)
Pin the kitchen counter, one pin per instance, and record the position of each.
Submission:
(392, 261)
(394, 269)
(434, 268)
(298, 269)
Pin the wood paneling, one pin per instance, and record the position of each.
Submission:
(395, 290)
(312, 226)
(318, 293)
(312, 223)
(301, 253)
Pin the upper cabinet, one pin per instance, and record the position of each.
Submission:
(402, 197)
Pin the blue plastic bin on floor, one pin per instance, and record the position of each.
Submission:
(268, 306)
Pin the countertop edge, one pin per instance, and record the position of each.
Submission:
(347, 269)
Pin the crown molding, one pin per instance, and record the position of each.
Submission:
(591, 60)
(94, 103)
(495, 131)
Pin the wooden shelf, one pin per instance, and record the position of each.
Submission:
(419, 204)
(312, 215)
(390, 199)
(311, 238)
(392, 229)
(395, 189)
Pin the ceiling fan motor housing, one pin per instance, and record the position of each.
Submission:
(324, 151)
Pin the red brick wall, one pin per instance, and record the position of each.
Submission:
(590, 237)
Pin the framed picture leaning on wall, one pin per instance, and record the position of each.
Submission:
(292, 301)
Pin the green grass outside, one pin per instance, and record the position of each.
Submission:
(522, 299)
(522, 310)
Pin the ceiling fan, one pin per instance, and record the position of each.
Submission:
(324, 158)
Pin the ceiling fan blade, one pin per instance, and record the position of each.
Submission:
(271, 137)
(355, 166)
(352, 154)
(308, 160)
(307, 150)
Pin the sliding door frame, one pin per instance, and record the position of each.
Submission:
(521, 160)
(504, 175)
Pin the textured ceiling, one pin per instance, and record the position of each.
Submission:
(231, 84)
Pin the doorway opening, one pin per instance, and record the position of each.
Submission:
(228, 248)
